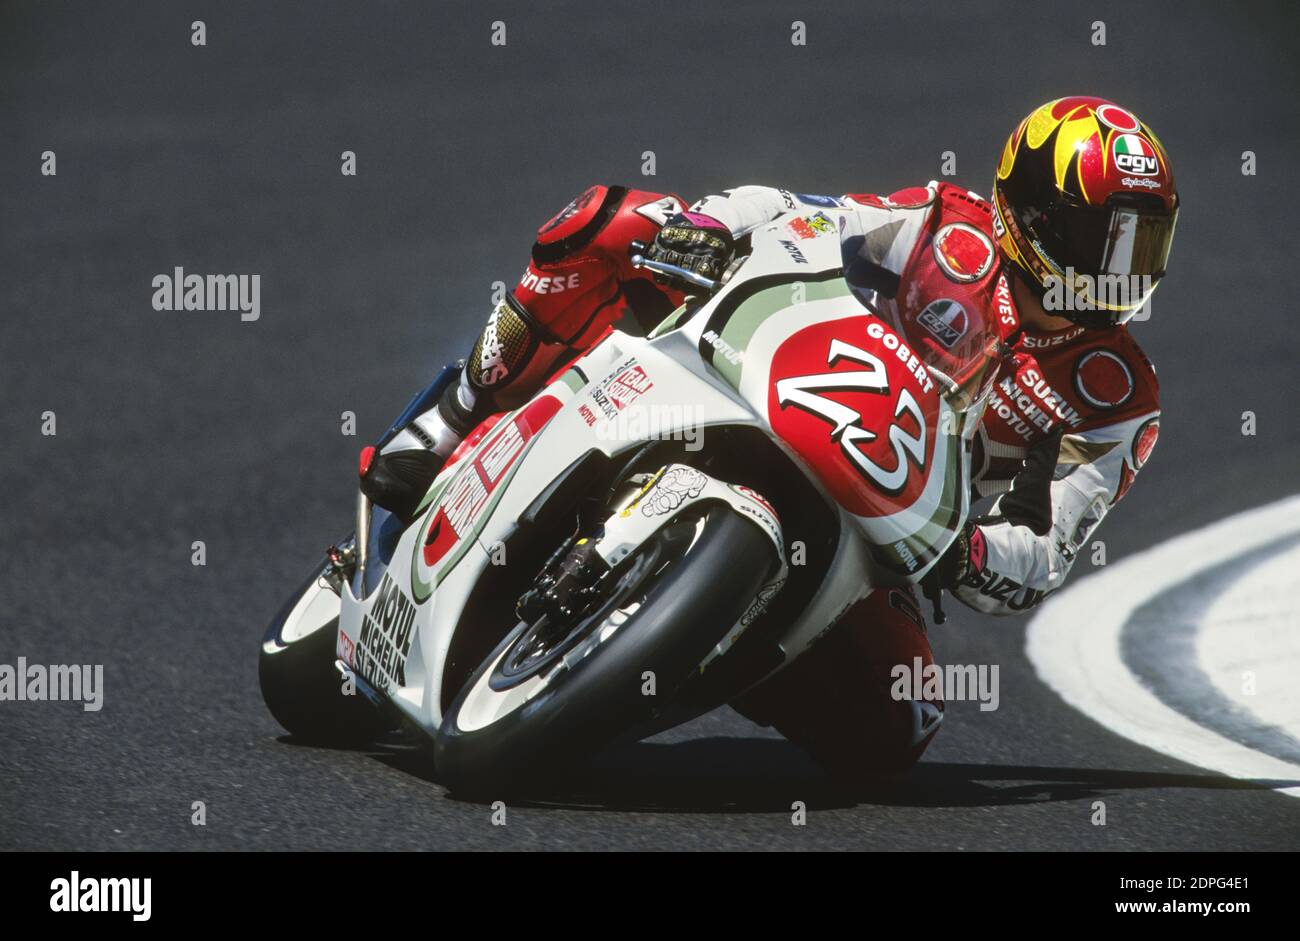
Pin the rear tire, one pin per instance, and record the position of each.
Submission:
(301, 683)
(489, 740)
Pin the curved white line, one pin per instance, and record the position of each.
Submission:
(1249, 641)
(1074, 643)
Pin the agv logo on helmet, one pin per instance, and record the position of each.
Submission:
(1135, 155)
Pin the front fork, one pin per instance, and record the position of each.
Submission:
(673, 490)
(363, 536)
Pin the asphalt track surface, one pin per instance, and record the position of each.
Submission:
(176, 427)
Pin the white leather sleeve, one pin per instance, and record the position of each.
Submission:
(745, 208)
(1020, 568)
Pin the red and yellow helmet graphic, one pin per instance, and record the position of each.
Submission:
(1084, 191)
(1095, 148)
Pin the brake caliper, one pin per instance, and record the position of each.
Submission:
(569, 589)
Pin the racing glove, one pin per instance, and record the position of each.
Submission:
(1028, 503)
(965, 553)
(693, 241)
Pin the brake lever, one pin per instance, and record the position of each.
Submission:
(677, 272)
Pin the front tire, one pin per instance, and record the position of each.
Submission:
(301, 682)
(508, 724)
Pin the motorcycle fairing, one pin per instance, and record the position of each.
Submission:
(722, 379)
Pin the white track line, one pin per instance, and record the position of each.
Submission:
(1074, 643)
(1253, 630)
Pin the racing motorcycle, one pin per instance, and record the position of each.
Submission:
(670, 521)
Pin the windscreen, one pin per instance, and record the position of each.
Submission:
(958, 344)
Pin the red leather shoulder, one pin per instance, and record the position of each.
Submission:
(962, 204)
(911, 197)
(1110, 377)
(957, 250)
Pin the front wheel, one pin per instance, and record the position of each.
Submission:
(545, 698)
(300, 679)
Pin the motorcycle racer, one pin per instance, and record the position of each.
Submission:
(1071, 245)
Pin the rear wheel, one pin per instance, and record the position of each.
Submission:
(301, 681)
(550, 694)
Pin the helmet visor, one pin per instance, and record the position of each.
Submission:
(1118, 251)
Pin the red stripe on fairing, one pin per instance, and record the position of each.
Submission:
(441, 537)
(536, 414)
(473, 438)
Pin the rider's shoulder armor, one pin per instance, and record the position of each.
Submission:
(925, 245)
(1103, 374)
(913, 197)
(958, 239)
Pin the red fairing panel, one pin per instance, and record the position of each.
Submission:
(857, 405)
(464, 499)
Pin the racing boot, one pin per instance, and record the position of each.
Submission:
(397, 471)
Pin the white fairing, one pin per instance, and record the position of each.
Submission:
(667, 378)
(675, 493)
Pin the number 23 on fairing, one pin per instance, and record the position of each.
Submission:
(862, 420)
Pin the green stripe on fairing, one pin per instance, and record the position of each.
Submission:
(570, 379)
(435, 492)
(667, 325)
(574, 381)
(922, 542)
(420, 589)
(739, 330)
